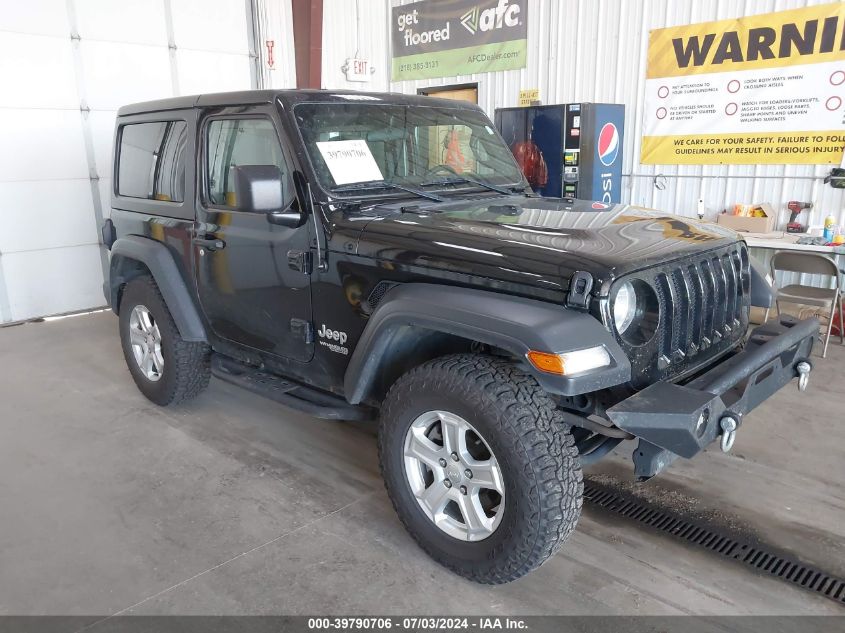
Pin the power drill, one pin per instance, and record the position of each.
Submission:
(795, 209)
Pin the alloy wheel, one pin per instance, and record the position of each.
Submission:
(454, 475)
(145, 338)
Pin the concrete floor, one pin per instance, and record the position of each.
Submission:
(233, 505)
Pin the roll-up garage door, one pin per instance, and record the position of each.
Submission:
(66, 66)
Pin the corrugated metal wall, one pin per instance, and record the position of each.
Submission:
(274, 23)
(595, 50)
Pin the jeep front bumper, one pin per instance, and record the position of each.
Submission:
(673, 420)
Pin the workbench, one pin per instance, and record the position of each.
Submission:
(782, 241)
(762, 246)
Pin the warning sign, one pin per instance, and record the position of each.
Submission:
(529, 96)
(761, 89)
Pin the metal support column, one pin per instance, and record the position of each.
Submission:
(87, 133)
(256, 79)
(171, 46)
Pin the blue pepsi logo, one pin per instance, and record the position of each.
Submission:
(608, 145)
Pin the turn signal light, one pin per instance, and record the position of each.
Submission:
(549, 363)
(569, 363)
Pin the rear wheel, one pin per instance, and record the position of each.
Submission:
(166, 368)
(480, 466)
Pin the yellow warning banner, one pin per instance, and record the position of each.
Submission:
(762, 89)
(772, 40)
(745, 149)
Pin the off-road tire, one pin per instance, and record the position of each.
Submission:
(187, 364)
(533, 445)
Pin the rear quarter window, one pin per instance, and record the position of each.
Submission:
(151, 161)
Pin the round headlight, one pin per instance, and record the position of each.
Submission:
(624, 307)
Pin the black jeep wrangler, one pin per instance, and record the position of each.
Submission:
(355, 255)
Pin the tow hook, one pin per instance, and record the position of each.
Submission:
(803, 368)
(729, 426)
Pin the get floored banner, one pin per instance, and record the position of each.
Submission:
(441, 38)
(760, 89)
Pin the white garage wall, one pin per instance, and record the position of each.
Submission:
(66, 66)
(595, 50)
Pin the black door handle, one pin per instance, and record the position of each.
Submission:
(212, 244)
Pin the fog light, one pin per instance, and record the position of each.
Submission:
(569, 363)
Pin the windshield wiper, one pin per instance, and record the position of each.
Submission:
(383, 184)
(457, 180)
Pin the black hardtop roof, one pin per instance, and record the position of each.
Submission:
(287, 97)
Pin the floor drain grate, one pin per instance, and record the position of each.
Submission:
(756, 556)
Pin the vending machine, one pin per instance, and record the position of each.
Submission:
(569, 150)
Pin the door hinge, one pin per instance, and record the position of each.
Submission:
(302, 329)
(580, 287)
(300, 261)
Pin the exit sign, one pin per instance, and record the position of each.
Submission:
(357, 69)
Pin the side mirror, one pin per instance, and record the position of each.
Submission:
(259, 189)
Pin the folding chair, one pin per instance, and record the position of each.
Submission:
(811, 264)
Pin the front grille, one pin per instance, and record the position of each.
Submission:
(703, 312)
(703, 302)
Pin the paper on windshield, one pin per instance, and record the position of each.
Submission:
(349, 161)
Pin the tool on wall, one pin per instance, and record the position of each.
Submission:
(836, 178)
(795, 207)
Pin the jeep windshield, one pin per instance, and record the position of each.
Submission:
(376, 149)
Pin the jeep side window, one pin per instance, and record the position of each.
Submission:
(234, 142)
(151, 163)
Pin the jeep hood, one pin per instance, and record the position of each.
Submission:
(535, 241)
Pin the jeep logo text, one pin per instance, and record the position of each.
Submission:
(332, 335)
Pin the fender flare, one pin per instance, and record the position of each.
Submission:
(511, 323)
(162, 266)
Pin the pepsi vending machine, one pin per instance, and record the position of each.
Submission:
(568, 150)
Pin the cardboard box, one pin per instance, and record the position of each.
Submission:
(746, 224)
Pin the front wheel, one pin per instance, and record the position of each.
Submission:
(480, 467)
